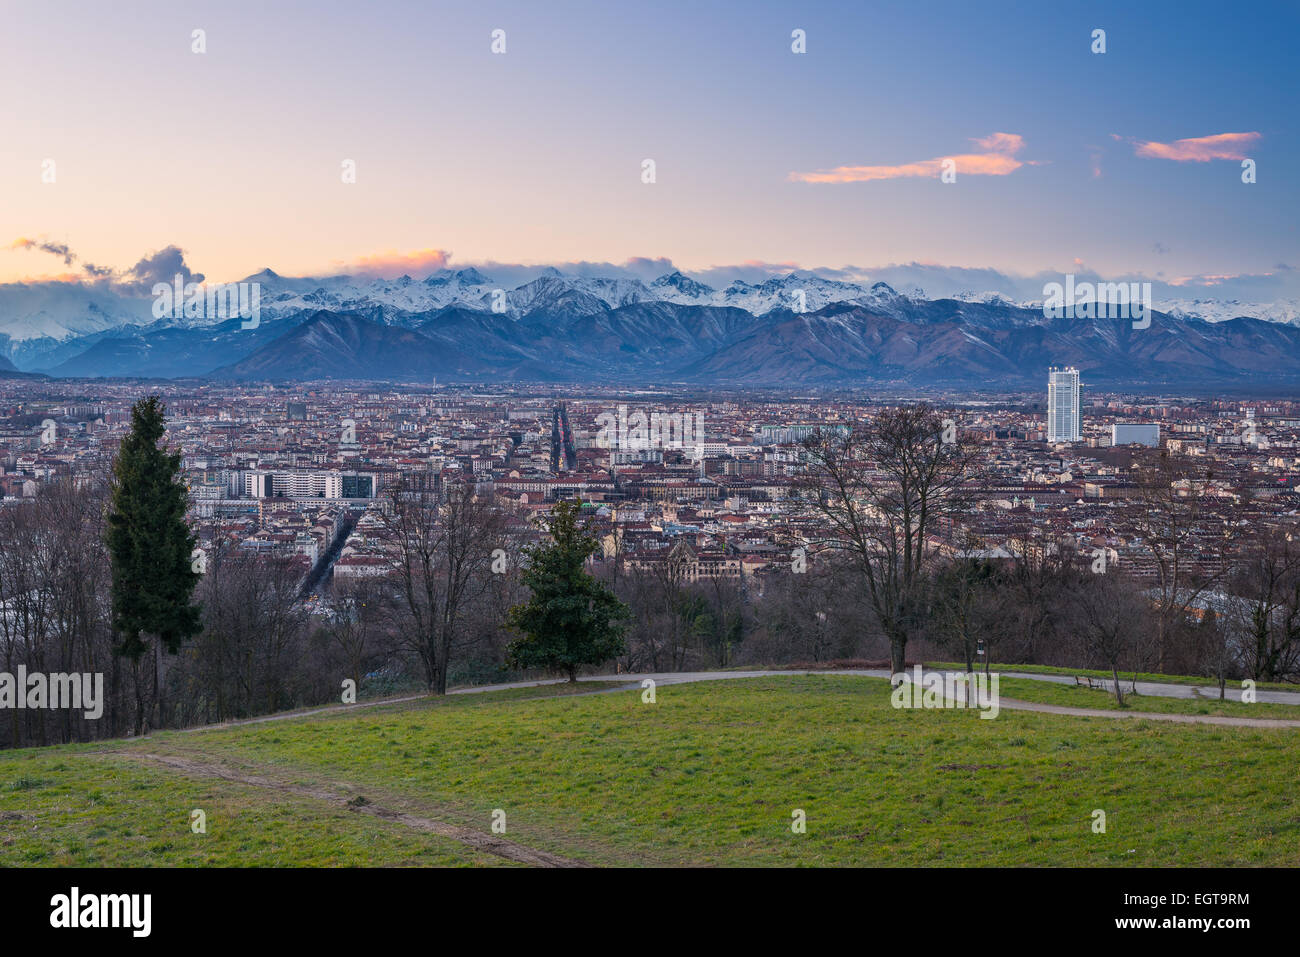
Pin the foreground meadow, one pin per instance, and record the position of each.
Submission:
(712, 773)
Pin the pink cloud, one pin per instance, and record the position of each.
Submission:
(68, 277)
(391, 263)
(1207, 280)
(1200, 149)
(998, 159)
(762, 264)
(1094, 157)
(1001, 142)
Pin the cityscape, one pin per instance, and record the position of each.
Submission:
(302, 471)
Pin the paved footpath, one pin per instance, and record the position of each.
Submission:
(1162, 690)
(661, 678)
(1283, 697)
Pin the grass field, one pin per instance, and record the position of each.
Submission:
(708, 775)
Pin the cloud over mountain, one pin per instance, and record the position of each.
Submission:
(390, 264)
(161, 266)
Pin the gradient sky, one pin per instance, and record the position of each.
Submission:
(535, 156)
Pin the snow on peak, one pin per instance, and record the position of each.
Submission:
(62, 311)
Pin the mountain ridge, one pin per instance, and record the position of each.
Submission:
(835, 346)
(793, 328)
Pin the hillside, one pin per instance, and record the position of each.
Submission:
(710, 774)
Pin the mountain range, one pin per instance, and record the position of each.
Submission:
(796, 329)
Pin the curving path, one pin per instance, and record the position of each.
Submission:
(662, 678)
(1164, 690)
(670, 678)
(667, 678)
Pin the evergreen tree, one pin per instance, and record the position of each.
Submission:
(150, 546)
(572, 619)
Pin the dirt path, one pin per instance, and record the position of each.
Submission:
(489, 843)
(288, 715)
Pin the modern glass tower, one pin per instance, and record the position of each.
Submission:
(1064, 414)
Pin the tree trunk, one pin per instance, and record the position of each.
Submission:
(139, 696)
(897, 656)
(158, 678)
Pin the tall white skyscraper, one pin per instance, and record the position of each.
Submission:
(1064, 414)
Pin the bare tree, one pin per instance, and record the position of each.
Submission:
(1264, 609)
(442, 538)
(358, 623)
(727, 619)
(28, 557)
(246, 659)
(1029, 591)
(53, 613)
(882, 488)
(1171, 501)
(72, 515)
(966, 612)
(1110, 614)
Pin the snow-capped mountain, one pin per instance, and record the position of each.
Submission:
(57, 311)
(1285, 311)
(62, 310)
(990, 298)
(43, 326)
(944, 342)
(1217, 310)
(461, 287)
(795, 292)
(675, 284)
(580, 296)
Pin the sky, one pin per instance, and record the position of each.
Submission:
(1122, 163)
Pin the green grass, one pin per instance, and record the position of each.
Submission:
(417, 699)
(1076, 696)
(1124, 675)
(87, 809)
(709, 775)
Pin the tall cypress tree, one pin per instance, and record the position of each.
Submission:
(572, 618)
(150, 546)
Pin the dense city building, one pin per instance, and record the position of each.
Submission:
(308, 470)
